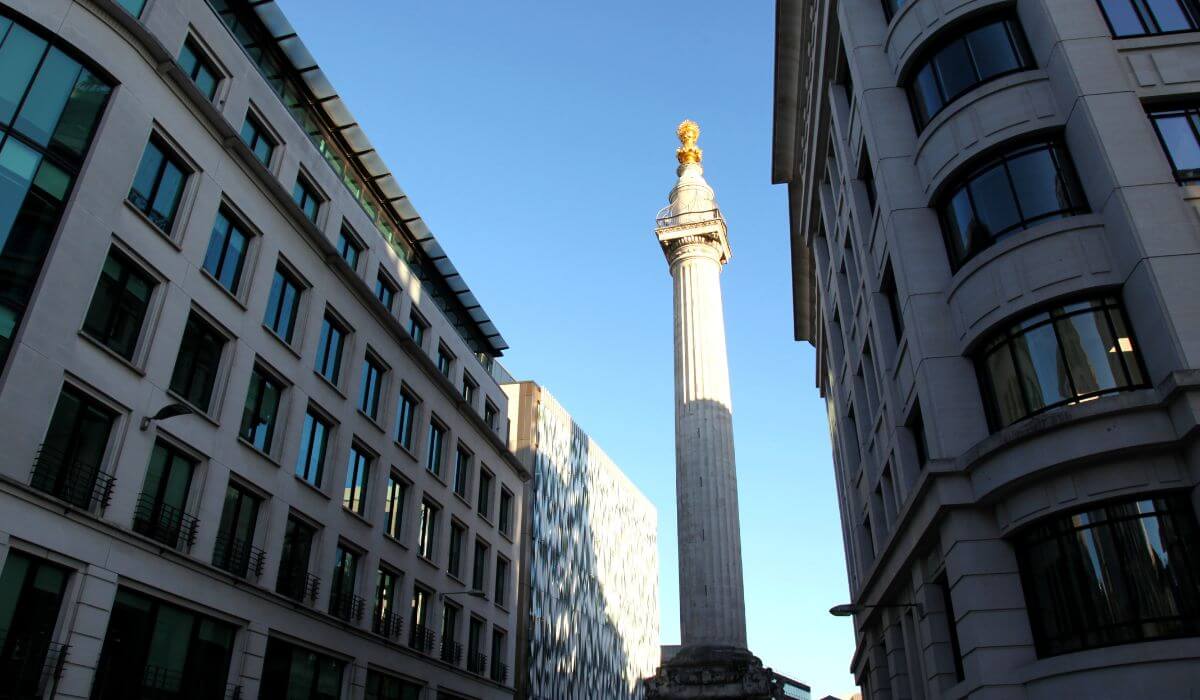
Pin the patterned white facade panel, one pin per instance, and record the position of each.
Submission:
(594, 570)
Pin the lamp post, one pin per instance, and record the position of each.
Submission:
(852, 609)
(171, 410)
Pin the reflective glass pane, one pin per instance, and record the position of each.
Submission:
(47, 97)
(1040, 367)
(927, 97)
(1170, 15)
(1125, 346)
(1039, 190)
(19, 58)
(80, 116)
(994, 204)
(1123, 17)
(954, 69)
(133, 7)
(18, 165)
(993, 51)
(961, 226)
(1179, 138)
(147, 175)
(166, 200)
(1086, 342)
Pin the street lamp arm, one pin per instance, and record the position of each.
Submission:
(851, 609)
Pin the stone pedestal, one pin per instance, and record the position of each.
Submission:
(712, 673)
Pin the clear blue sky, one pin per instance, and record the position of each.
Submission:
(537, 141)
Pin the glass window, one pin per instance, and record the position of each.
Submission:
(454, 561)
(1012, 192)
(891, 7)
(1115, 573)
(469, 388)
(294, 580)
(397, 497)
(381, 686)
(133, 7)
(385, 291)
(158, 185)
(1141, 17)
(349, 248)
(31, 594)
(490, 413)
(501, 587)
(199, 359)
(306, 198)
(1062, 356)
(406, 418)
(499, 668)
(484, 502)
(153, 649)
(445, 361)
(68, 463)
(314, 439)
(421, 636)
(283, 305)
(385, 619)
(369, 387)
(437, 436)
(254, 135)
(354, 496)
(329, 349)
(506, 511)
(234, 551)
(967, 59)
(462, 471)
(479, 566)
(292, 672)
(416, 329)
(427, 537)
(197, 66)
(262, 410)
(226, 253)
(119, 305)
(160, 514)
(1179, 132)
(344, 583)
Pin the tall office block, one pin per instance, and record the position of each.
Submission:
(253, 446)
(591, 580)
(995, 251)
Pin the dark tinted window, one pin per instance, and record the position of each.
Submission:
(255, 136)
(968, 58)
(296, 673)
(1139, 17)
(227, 250)
(158, 185)
(1179, 132)
(891, 7)
(119, 305)
(1067, 354)
(198, 68)
(306, 198)
(1112, 574)
(329, 349)
(314, 440)
(198, 361)
(1009, 193)
(283, 305)
(262, 410)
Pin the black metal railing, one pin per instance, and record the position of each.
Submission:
(78, 483)
(29, 665)
(388, 625)
(477, 663)
(238, 557)
(297, 584)
(164, 523)
(499, 672)
(421, 638)
(451, 652)
(346, 607)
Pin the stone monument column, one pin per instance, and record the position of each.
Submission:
(713, 661)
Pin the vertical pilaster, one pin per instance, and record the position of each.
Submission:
(96, 596)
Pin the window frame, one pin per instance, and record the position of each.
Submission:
(172, 154)
(216, 392)
(434, 465)
(384, 281)
(149, 316)
(393, 522)
(204, 59)
(1146, 16)
(348, 239)
(360, 470)
(275, 433)
(318, 415)
(370, 403)
(1192, 113)
(405, 431)
(244, 275)
(262, 132)
(309, 192)
(290, 276)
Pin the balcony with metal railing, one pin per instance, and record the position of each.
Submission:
(421, 639)
(164, 523)
(499, 672)
(452, 652)
(477, 663)
(297, 584)
(238, 557)
(30, 665)
(346, 606)
(62, 476)
(388, 625)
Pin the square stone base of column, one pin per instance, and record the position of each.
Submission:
(711, 673)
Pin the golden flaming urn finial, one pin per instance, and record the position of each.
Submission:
(688, 132)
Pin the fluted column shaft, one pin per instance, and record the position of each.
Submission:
(712, 601)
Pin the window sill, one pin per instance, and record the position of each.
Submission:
(233, 296)
(374, 422)
(506, 535)
(436, 476)
(485, 519)
(503, 608)
(396, 541)
(462, 499)
(331, 385)
(456, 579)
(356, 516)
(126, 363)
(280, 339)
(311, 486)
(250, 446)
(168, 236)
(428, 562)
(198, 411)
(406, 451)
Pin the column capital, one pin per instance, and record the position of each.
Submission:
(706, 238)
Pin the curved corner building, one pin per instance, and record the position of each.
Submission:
(253, 443)
(996, 254)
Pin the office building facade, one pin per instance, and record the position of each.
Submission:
(253, 442)
(995, 247)
(591, 580)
